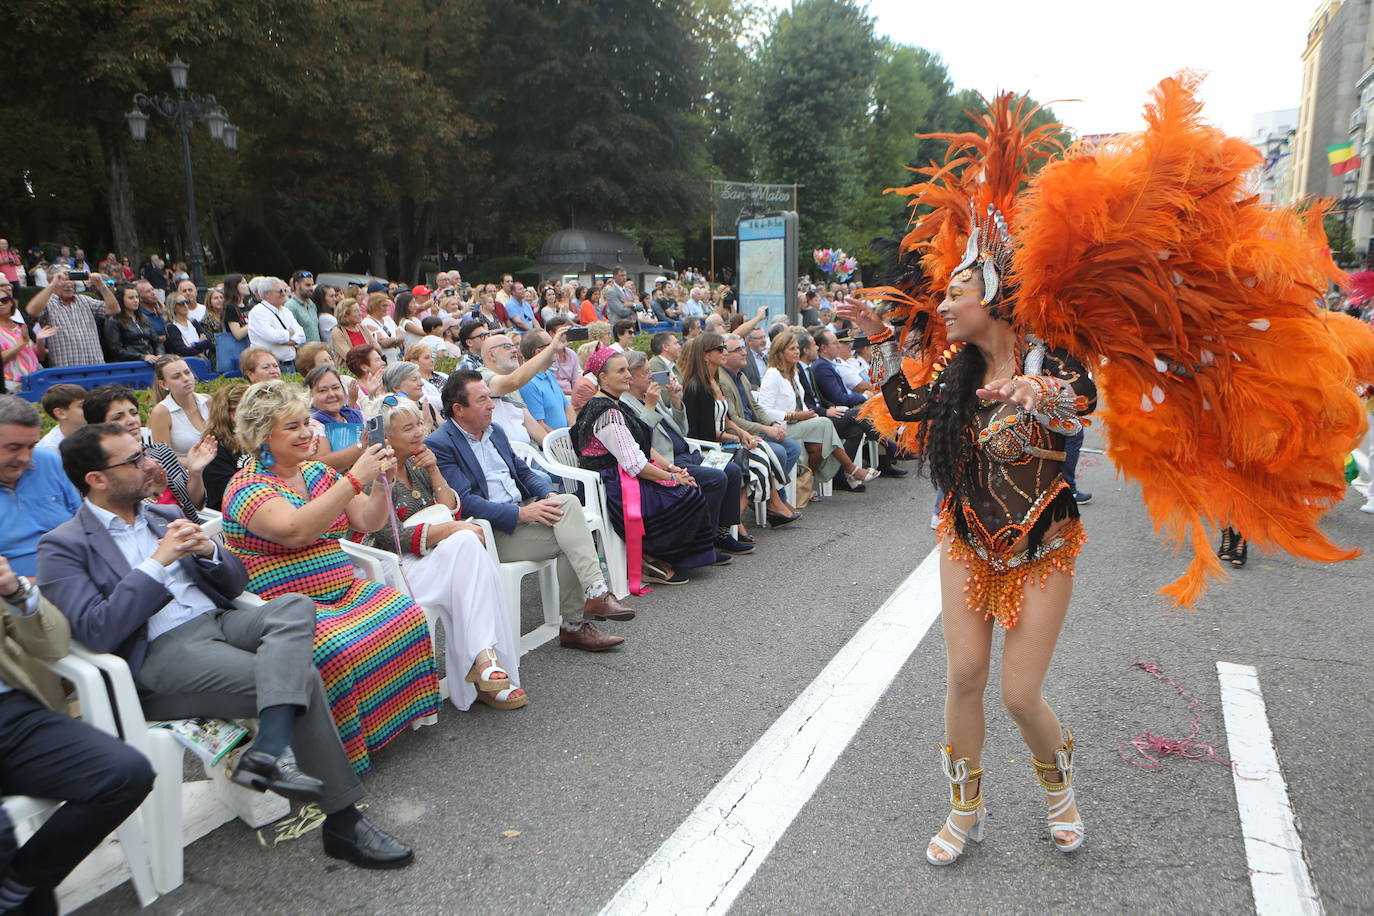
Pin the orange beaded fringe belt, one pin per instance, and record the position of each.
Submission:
(996, 584)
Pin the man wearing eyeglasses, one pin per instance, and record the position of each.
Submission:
(35, 495)
(505, 375)
(302, 305)
(272, 326)
(134, 580)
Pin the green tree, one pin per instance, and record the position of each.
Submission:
(810, 113)
(594, 112)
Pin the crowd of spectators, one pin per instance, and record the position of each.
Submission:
(102, 516)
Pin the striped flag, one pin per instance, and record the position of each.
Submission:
(1342, 158)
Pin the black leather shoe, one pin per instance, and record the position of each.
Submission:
(262, 772)
(367, 846)
(891, 470)
(845, 486)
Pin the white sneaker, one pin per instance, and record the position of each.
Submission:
(1368, 507)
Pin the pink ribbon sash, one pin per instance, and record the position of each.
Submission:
(634, 531)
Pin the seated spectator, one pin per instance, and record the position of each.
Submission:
(21, 348)
(128, 335)
(386, 336)
(691, 327)
(587, 310)
(505, 375)
(75, 318)
(543, 397)
(660, 409)
(665, 348)
(529, 520)
(671, 529)
(339, 444)
(783, 401)
(185, 337)
(212, 308)
(170, 615)
(692, 307)
(224, 403)
(184, 485)
(350, 331)
(271, 325)
(284, 516)
(520, 309)
(180, 413)
(715, 324)
(424, 357)
(433, 338)
(744, 407)
(567, 368)
(35, 496)
(598, 336)
(486, 311)
(236, 304)
(411, 310)
(403, 379)
(152, 310)
(706, 401)
(472, 335)
(832, 391)
(63, 404)
(311, 355)
(326, 299)
(450, 572)
(257, 364)
(46, 754)
(625, 331)
(187, 287)
(367, 366)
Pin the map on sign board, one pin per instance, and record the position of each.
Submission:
(767, 271)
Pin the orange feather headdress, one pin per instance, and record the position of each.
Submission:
(1228, 390)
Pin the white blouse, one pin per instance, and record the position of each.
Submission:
(777, 396)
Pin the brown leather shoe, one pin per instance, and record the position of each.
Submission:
(588, 638)
(606, 608)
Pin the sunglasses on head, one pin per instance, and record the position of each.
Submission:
(391, 401)
(302, 275)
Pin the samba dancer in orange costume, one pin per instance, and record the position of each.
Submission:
(1229, 395)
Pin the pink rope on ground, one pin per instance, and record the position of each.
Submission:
(1155, 748)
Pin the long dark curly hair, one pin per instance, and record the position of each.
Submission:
(948, 451)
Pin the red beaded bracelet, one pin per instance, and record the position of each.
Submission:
(348, 475)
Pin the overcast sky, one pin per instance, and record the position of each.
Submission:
(1108, 54)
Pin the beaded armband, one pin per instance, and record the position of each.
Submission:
(1056, 406)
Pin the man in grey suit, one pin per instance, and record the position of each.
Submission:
(619, 303)
(756, 356)
(143, 582)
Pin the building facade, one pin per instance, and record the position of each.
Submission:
(1274, 134)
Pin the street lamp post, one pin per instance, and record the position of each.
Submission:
(185, 111)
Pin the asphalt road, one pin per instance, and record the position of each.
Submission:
(615, 750)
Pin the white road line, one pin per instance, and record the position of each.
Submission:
(1279, 878)
(705, 864)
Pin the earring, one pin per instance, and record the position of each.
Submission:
(265, 456)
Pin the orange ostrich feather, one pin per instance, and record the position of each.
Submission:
(1229, 393)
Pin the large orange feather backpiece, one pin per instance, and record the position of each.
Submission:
(1229, 393)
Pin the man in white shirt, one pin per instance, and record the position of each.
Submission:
(271, 324)
(505, 375)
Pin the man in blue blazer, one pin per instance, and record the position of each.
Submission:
(143, 582)
(529, 520)
(831, 390)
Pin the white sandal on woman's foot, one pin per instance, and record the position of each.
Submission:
(484, 668)
(1061, 798)
(959, 776)
(863, 475)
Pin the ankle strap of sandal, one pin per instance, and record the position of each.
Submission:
(1063, 765)
(959, 776)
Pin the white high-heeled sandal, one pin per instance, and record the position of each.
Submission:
(481, 678)
(1061, 797)
(959, 776)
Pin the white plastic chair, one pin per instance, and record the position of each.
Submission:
(138, 836)
(512, 574)
(560, 460)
